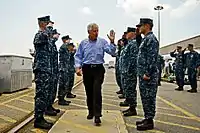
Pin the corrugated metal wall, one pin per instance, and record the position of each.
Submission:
(21, 79)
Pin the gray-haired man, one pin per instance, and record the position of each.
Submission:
(89, 59)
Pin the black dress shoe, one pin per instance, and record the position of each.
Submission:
(124, 104)
(70, 95)
(90, 116)
(148, 124)
(121, 96)
(119, 92)
(42, 124)
(179, 89)
(192, 91)
(97, 120)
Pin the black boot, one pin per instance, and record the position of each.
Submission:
(122, 96)
(63, 102)
(131, 112)
(179, 89)
(124, 104)
(125, 111)
(56, 110)
(139, 122)
(42, 123)
(97, 120)
(148, 124)
(70, 95)
(50, 112)
(192, 91)
(119, 92)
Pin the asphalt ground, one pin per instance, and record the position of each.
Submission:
(17, 106)
(177, 112)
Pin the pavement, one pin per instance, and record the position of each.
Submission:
(16, 107)
(176, 112)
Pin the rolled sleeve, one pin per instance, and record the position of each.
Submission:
(109, 48)
(79, 56)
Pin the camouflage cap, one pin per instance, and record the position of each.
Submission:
(66, 37)
(179, 47)
(49, 20)
(130, 29)
(43, 19)
(70, 44)
(145, 21)
(190, 45)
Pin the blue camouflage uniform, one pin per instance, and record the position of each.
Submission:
(120, 58)
(71, 72)
(129, 72)
(121, 66)
(42, 71)
(147, 64)
(117, 71)
(65, 71)
(179, 68)
(161, 63)
(54, 69)
(192, 63)
(125, 41)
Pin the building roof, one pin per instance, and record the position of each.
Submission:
(197, 36)
(13, 55)
(184, 43)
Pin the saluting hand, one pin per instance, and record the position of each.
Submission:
(111, 36)
(50, 24)
(137, 31)
(56, 36)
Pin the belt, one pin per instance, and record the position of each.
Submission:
(92, 65)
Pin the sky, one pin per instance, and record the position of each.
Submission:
(180, 19)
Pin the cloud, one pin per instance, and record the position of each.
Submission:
(137, 8)
(184, 9)
(166, 7)
(145, 8)
(86, 11)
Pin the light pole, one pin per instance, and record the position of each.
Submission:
(158, 8)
